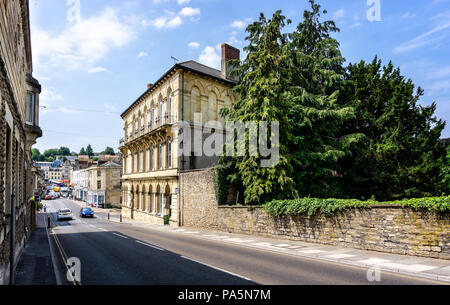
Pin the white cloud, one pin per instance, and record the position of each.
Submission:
(211, 57)
(439, 73)
(189, 12)
(233, 40)
(238, 24)
(181, 2)
(171, 19)
(173, 23)
(97, 70)
(142, 54)
(48, 95)
(81, 45)
(339, 13)
(422, 40)
(194, 45)
(408, 15)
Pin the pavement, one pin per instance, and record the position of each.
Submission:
(130, 252)
(35, 266)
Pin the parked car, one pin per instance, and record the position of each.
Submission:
(48, 197)
(86, 212)
(64, 214)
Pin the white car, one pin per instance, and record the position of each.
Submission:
(64, 214)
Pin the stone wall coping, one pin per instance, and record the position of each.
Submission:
(377, 206)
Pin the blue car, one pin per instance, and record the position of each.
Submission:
(86, 212)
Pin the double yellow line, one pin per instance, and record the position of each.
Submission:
(63, 253)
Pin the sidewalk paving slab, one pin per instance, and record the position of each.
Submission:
(35, 266)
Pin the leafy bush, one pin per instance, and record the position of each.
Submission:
(312, 206)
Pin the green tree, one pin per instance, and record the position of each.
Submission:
(82, 152)
(316, 75)
(293, 79)
(64, 151)
(446, 173)
(36, 154)
(401, 154)
(262, 87)
(51, 153)
(89, 150)
(108, 151)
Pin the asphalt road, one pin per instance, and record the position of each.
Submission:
(113, 253)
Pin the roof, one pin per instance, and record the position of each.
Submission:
(191, 66)
(110, 164)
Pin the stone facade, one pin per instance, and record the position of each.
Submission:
(99, 184)
(19, 120)
(383, 228)
(189, 94)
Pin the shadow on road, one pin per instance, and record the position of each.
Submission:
(112, 258)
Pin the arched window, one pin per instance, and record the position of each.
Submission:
(169, 154)
(149, 199)
(160, 159)
(169, 106)
(152, 158)
(158, 200)
(161, 115)
(153, 114)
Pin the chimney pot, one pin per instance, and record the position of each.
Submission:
(149, 85)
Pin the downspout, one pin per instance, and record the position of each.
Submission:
(180, 160)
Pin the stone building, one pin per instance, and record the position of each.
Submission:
(189, 94)
(54, 174)
(80, 182)
(19, 129)
(105, 185)
(99, 185)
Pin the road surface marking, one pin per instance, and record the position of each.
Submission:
(282, 245)
(120, 235)
(191, 232)
(103, 229)
(145, 244)
(216, 268)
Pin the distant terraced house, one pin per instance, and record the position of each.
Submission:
(153, 135)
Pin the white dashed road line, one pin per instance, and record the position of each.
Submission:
(145, 244)
(216, 268)
(120, 236)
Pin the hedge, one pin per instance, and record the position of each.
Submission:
(312, 206)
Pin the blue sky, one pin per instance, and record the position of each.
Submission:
(103, 60)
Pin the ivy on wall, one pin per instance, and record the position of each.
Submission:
(221, 185)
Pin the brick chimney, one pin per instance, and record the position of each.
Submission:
(229, 53)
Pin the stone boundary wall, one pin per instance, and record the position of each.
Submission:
(383, 228)
(198, 199)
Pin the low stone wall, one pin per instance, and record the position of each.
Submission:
(384, 228)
